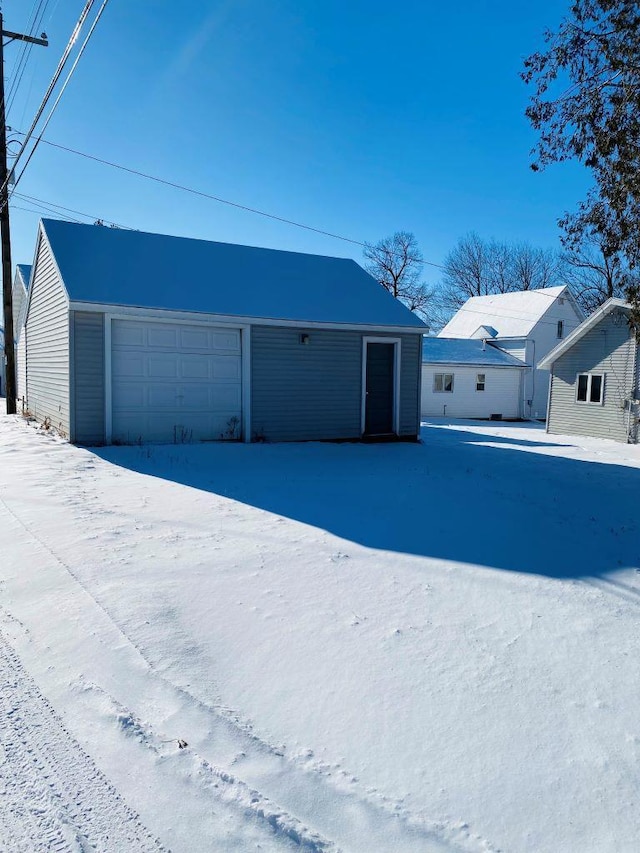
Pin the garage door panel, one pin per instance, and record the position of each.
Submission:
(124, 334)
(128, 364)
(162, 396)
(162, 336)
(195, 367)
(227, 368)
(226, 341)
(174, 382)
(164, 428)
(161, 366)
(128, 397)
(191, 338)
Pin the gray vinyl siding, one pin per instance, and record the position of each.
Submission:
(47, 332)
(312, 392)
(410, 379)
(609, 349)
(88, 377)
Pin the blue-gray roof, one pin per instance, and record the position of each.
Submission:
(134, 268)
(466, 351)
(25, 273)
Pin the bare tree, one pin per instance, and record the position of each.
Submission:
(595, 276)
(396, 262)
(476, 267)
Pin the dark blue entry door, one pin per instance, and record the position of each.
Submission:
(380, 391)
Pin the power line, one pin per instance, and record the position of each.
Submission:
(40, 212)
(60, 93)
(215, 198)
(35, 22)
(49, 207)
(54, 80)
(52, 207)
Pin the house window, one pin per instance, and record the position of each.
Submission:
(480, 381)
(443, 382)
(590, 387)
(560, 328)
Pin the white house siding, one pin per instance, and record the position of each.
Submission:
(542, 339)
(501, 395)
(21, 365)
(609, 348)
(19, 306)
(88, 391)
(47, 344)
(312, 392)
(517, 347)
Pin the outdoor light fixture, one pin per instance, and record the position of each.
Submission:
(304, 338)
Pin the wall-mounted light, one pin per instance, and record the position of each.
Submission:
(304, 338)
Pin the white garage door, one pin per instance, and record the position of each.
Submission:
(174, 383)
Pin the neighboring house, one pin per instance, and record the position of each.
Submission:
(470, 379)
(594, 377)
(20, 299)
(527, 324)
(134, 337)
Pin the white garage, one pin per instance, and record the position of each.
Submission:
(174, 382)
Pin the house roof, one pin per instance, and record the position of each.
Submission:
(466, 351)
(133, 268)
(512, 315)
(24, 272)
(610, 305)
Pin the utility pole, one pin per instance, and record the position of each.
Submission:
(5, 233)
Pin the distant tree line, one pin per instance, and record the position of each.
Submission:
(479, 267)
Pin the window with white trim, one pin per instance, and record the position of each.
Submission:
(480, 381)
(560, 330)
(589, 388)
(443, 382)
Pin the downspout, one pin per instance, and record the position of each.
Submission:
(533, 376)
(548, 418)
(634, 393)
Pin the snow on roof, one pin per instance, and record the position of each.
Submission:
(513, 315)
(24, 271)
(134, 268)
(466, 351)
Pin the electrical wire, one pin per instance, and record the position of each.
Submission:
(39, 213)
(211, 197)
(60, 94)
(54, 80)
(215, 198)
(52, 207)
(25, 55)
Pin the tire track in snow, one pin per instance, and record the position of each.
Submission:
(339, 815)
(52, 795)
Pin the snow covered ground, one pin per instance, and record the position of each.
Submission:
(428, 647)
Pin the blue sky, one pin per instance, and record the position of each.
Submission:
(359, 118)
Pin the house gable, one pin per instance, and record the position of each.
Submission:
(607, 349)
(47, 342)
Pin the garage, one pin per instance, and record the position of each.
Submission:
(135, 337)
(175, 382)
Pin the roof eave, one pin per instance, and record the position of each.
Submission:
(580, 331)
(238, 320)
